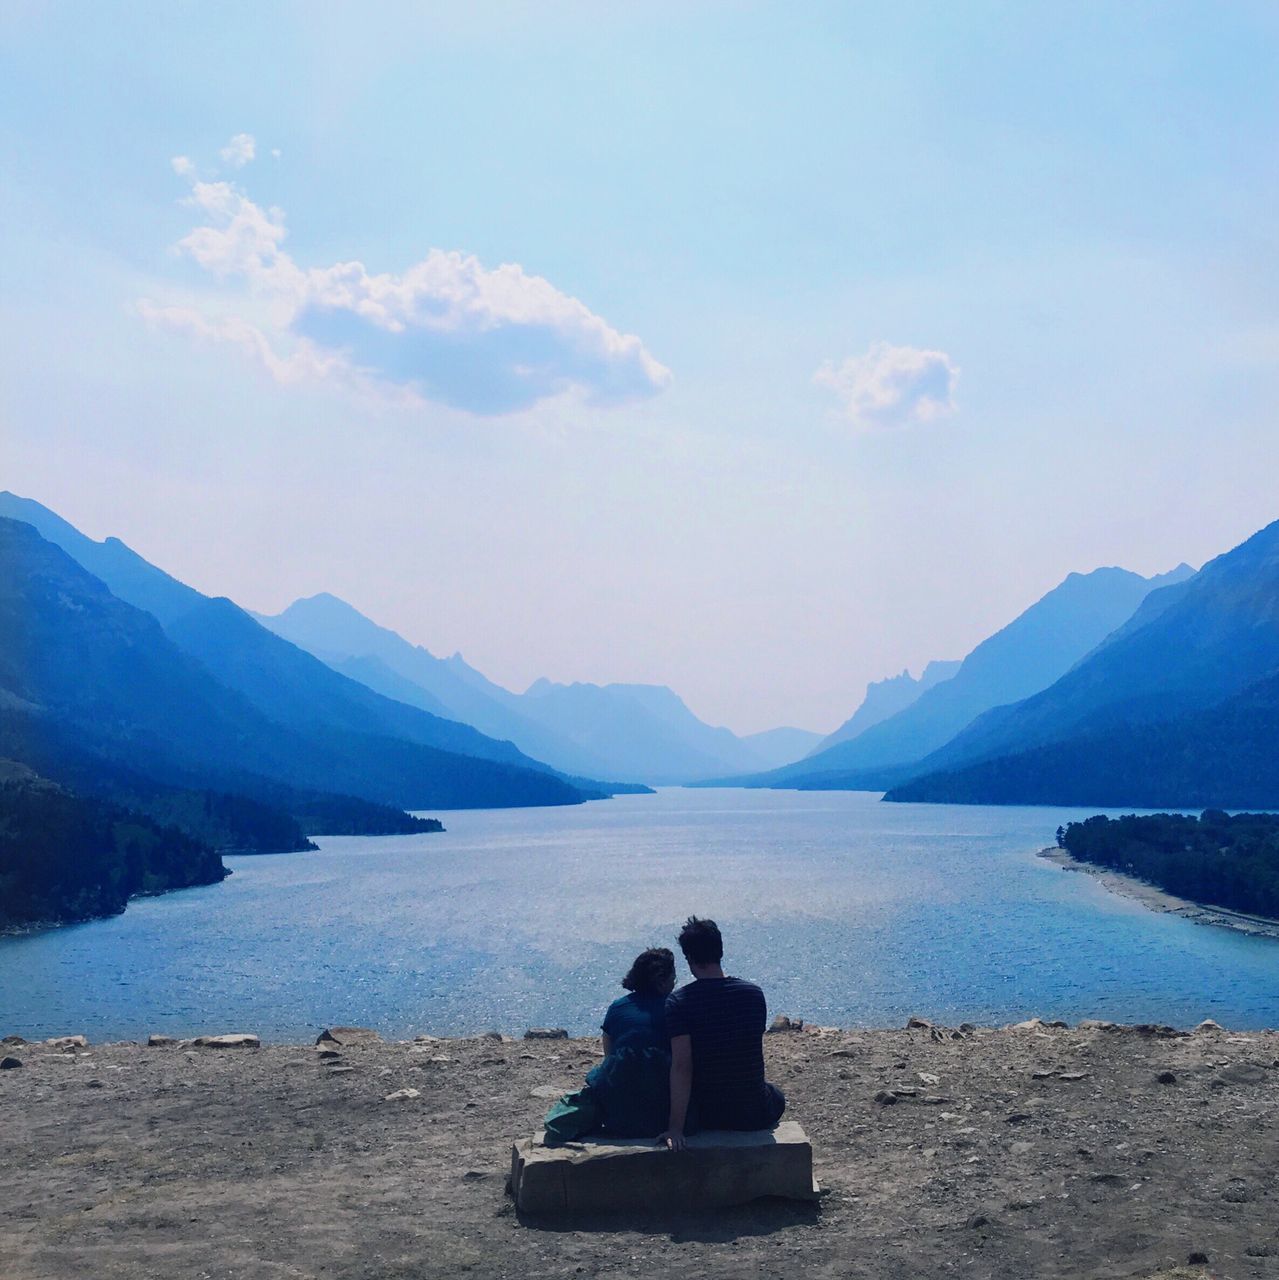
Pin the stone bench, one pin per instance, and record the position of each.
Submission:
(719, 1168)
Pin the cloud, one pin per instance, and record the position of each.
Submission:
(239, 151)
(448, 329)
(182, 166)
(892, 386)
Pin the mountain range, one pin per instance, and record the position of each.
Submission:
(635, 731)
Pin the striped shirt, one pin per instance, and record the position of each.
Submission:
(725, 1018)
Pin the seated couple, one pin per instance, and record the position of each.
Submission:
(677, 1061)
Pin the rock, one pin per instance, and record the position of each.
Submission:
(976, 1221)
(1197, 1258)
(918, 1024)
(490, 1035)
(966, 1028)
(67, 1044)
(402, 1095)
(1019, 1117)
(886, 1097)
(550, 1091)
(234, 1040)
(13, 1041)
(10, 1063)
(928, 1078)
(475, 1175)
(546, 1033)
(1017, 1206)
(1042, 1075)
(842, 1053)
(1072, 1075)
(1095, 1024)
(1238, 1073)
(1166, 1077)
(783, 1023)
(1208, 1025)
(327, 1055)
(934, 1100)
(160, 1042)
(1031, 1024)
(338, 1070)
(1158, 1031)
(717, 1169)
(93, 1084)
(345, 1036)
(1058, 1024)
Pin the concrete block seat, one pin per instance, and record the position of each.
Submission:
(719, 1168)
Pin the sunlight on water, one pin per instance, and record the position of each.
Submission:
(847, 910)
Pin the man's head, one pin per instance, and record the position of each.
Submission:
(701, 944)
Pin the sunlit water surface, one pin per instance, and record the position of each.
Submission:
(849, 911)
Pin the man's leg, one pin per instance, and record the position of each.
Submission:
(774, 1104)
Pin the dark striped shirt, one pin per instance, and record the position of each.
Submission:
(724, 1018)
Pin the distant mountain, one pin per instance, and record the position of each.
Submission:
(354, 645)
(885, 698)
(1191, 675)
(1027, 655)
(776, 747)
(79, 660)
(617, 730)
(286, 683)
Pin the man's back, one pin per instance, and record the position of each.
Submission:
(724, 1019)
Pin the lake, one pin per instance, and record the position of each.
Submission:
(849, 912)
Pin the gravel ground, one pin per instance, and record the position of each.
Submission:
(1022, 1152)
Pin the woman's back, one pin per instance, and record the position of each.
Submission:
(637, 1021)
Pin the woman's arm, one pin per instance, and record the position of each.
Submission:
(607, 1041)
(681, 1088)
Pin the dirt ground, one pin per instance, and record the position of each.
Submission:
(1015, 1153)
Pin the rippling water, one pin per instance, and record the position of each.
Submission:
(848, 911)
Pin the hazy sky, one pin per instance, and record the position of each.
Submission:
(758, 350)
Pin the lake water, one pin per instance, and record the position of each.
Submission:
(848, 911)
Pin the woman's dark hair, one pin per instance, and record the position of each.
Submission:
(652, 970)
(700, 942)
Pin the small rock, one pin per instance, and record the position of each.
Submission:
(235, 1040)
(966, 1028)
(1238, 1073)
(928, 1078)
(10, 1063)
(550, 1091)
(976, 1221)
(1042, 1075)
(67, 1044)
(1237, 1193)
(1197, 1258)
(1072, 1075)
(934, 1100)
(93, 1084)
(1166, 1077)
(1058, 1024)
(490, 1035)
(1105, 1177)
(1017, 1206)
(1031, 1024)
(546, 1033)
(339, 1070)
(327, 1055)
(13, 1041)
(918, 1024)
(475, 1175)
(1095, 1024)
(783, 1023)
(402, 1095)
(1208, 1025)
(842, 1053)
(160, 1042)
(344, 1036)
(1019, 1117)
(886, 1097)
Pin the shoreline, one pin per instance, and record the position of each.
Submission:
(1157, 899)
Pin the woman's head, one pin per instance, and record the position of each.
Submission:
(652, 974)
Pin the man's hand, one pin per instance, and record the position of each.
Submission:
(673, 1139)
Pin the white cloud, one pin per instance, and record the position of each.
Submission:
(239, 151)
(447, 329)
(892, 386)
(182, 166)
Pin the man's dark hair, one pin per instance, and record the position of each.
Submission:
(652, 972)
(700, 942)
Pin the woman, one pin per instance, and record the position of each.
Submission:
(628, 1094)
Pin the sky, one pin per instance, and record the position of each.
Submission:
(760, 350)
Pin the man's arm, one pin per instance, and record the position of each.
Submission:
(681, 1088)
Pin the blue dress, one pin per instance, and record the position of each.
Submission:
(632, 1085)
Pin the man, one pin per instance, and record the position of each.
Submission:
(716, 1025)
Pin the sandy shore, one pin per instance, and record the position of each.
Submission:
(1029, 1152)
(1158, 900)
